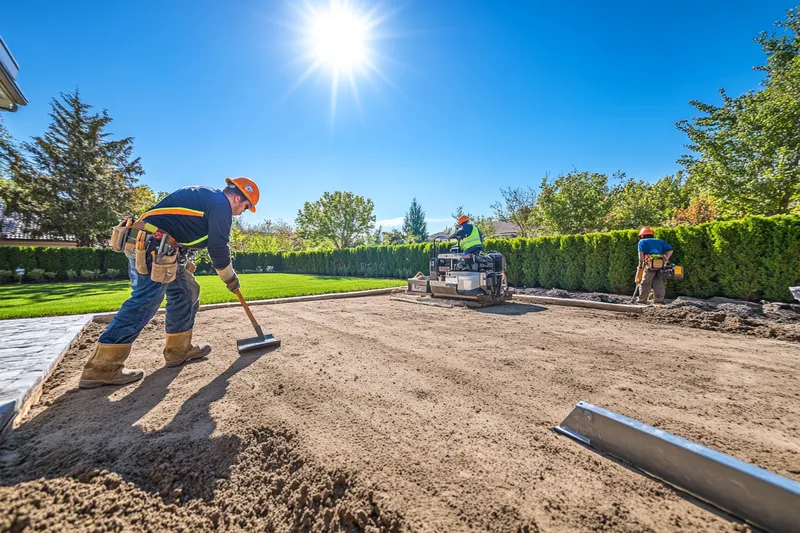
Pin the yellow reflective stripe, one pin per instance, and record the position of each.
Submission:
(149, 227)
(173, 211)
(201, 239)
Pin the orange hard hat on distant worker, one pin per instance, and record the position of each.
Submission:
(463, 219)
(645, 231)
(248, 188)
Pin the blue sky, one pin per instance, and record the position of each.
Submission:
(480, 94)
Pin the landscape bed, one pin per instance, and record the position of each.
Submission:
(376, 415)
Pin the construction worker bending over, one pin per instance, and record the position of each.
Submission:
(470, 235)
(654, 254)
(159, 246)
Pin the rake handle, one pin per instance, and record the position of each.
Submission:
(246, 307)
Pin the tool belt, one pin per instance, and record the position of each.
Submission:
(653, 262)
(134, 239)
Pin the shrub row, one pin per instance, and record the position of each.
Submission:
(749, 259)
(61, 261)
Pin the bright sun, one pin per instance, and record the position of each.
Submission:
(339, 38)
(336, 38)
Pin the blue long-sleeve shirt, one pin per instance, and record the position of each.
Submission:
(464, 232)
(211, 230)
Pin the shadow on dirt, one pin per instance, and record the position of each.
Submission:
(89, 460)
(85, 429)
(512, 309)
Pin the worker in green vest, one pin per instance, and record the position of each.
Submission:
(470, 235)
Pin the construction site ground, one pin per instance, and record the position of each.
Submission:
(378, 415)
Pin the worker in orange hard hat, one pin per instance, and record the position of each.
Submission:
(654, 255)
(160, 245)
(470, 235)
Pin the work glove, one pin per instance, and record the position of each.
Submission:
(228, 275)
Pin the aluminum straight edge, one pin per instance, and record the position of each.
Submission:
(760, 497)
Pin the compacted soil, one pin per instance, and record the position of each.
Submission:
(379, 415)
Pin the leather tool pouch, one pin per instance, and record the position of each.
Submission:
(190, 266)
(165, 269)
(656, 263)
(119, 235)
(141, 254)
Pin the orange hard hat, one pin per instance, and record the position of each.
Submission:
(248, 188)
(646, 231)
(462, 219)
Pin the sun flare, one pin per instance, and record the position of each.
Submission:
(338, 38)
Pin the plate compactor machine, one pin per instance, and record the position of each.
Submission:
(479, 278)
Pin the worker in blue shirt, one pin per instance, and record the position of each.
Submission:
(470, 235)
(159, 259)
(654, 254)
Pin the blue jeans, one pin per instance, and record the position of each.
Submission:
(183, 301)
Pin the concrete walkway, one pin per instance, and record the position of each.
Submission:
(30, 349)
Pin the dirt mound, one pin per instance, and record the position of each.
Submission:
(270, 487)
(776, 320)
(767, 319)
(94, 501)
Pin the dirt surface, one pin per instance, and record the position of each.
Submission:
(776, 320)
(378, 415)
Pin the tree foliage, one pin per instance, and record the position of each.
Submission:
(701, 209)
(485, 224)
(635, 203)
(265, 237)
(518, 207)
(747, 151)
(415, 228)
(577, 202)
(74, 180)
(340, 218)
(393, 238)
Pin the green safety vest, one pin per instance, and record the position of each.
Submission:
(473, 239)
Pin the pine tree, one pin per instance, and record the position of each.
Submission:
(414, 226)
(76, 181)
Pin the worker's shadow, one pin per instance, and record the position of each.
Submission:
(86, 431)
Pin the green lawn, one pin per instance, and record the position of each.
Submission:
(49, 299)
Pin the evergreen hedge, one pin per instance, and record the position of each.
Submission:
(750, 259)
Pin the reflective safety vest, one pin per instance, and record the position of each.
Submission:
(473, 239)
(183, 211)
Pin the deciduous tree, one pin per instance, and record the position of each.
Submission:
(747, 151)
(341, 218)
(518, 207)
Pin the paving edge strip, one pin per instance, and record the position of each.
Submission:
(574, 302)
(105, 318)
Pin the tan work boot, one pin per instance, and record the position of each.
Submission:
(105, 367)
(179, 349)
